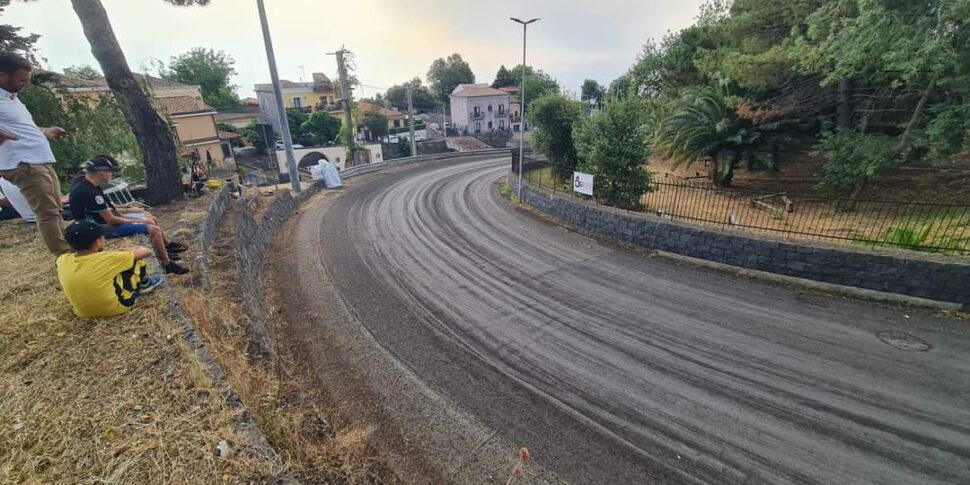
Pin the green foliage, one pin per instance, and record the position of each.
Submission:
(321, 127)
(504, 78)
(251, 134)
(210, 70)
(613, 145)
(705, 127)
(537, 84)
(11, 39)
(948, 133)
(553, 119)
(227, 127)
(421, 97)
(445, 75)
(376, 125)
(911, 237)
(84, 71)
(850, 156)
(592, 93)
(94, 130)
(295, 118)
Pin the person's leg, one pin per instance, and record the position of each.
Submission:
(125, 230)
(42, 190)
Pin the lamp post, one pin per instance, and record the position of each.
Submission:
(525, 26)
(278, 95)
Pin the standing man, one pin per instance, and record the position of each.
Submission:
(26, 158)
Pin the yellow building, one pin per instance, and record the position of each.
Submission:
(307, 97)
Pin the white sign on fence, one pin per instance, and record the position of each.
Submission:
(583, 183)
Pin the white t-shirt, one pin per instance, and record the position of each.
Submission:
(16, 199)
(32, 146)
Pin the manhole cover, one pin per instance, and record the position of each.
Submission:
(904, 341)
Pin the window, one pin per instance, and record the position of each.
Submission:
(489, 125)
(501, 109)
(477, 111)
(226, 151)
(297, 102)
(501, 124)
(478, 127)
(397, 123)
(489, 108)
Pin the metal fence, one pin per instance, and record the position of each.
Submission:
(943, 228)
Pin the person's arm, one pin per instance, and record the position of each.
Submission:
(110, 217)
(141, 253)
(55, 133)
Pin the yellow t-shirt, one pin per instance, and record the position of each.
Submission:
(101, 284)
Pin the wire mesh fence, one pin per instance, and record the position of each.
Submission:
(942, 228)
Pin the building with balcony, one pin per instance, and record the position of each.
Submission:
(308, 97)
(479, 108)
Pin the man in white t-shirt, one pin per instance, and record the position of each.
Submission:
(26, 158)
(12, 194)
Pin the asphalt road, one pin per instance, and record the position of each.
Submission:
(614, 366)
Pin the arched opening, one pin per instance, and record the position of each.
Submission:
(311, 159)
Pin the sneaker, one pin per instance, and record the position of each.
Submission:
(174, 257)
(174, 268)
(149, 284)
(174, 247)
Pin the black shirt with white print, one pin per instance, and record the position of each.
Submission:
(88, 201)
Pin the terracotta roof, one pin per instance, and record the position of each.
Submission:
(156, 83)
(227, 135)
(510, 89)
(177, 105)
(320, 83)
(370, 108)
(476, 90)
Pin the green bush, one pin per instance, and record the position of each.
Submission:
(850, 156)
(613, 145)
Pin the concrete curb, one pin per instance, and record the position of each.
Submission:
(851, 291)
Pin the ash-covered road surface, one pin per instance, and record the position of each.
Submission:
(613, 366)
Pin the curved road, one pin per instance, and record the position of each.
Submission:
(618, 367)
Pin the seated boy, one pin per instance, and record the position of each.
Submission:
(88, 202)
(101, 283)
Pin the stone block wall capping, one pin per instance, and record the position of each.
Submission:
(927, 277)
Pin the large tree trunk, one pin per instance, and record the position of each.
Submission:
(153, 134)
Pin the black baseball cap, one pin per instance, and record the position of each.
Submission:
(101, 163)
(82, 234)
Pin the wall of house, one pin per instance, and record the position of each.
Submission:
(198, 127)
(462, 108)
(218, 159)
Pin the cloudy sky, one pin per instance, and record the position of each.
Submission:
(393, 40)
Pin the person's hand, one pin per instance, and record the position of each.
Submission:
(55, 133)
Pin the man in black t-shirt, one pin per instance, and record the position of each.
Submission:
(88, 202)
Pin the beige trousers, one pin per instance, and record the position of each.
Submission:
(40, 186)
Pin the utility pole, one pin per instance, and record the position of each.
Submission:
(414, 147)
(278, 95)
(525, 25)
(347, 100)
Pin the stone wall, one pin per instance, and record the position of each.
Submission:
(252, 240)
(207, 234)
(934, 278)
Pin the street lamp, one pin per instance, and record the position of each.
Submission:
(525, 26)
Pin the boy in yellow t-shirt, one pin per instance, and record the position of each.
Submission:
(101, 283)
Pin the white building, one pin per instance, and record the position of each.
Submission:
(479, 108)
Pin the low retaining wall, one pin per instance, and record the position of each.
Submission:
(252, 240)
(931, 278)
(207, 234)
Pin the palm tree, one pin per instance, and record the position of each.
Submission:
(153, 134)
(704, 127)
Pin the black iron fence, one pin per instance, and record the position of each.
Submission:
(943, 228)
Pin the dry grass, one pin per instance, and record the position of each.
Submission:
(282, 400)
(120, 400)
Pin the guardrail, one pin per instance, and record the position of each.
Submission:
(373, 167)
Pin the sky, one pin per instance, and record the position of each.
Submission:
(393, 40)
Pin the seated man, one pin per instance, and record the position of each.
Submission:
(101, 283)
(88, 202)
